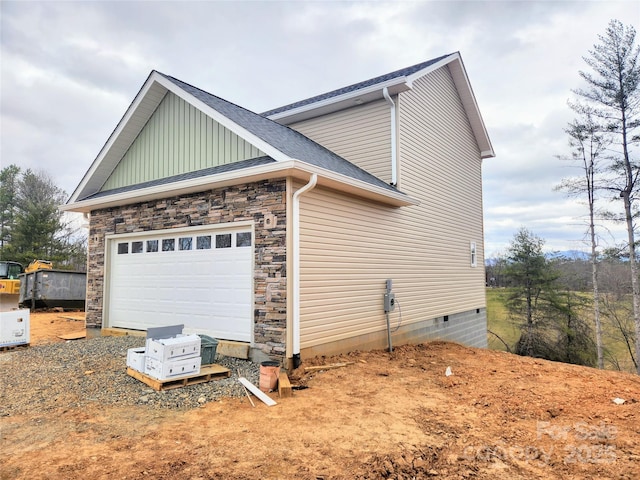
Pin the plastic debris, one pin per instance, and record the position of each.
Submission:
(618, 401)
(448, 372)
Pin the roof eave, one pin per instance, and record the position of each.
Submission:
(135, 118)
(143, 105)
(291, 168)
(470, 105)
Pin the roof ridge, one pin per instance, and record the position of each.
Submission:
(357, 86)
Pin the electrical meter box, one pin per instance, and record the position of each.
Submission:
(14, 328)
(389, 302)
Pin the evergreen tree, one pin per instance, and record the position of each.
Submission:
(532, 300)
(8, 190)
(37, 223)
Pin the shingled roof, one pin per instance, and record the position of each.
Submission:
(404, 72)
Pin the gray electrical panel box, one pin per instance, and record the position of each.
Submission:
(389, 302)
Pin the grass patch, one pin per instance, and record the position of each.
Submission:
(617, 356)
(499, 322)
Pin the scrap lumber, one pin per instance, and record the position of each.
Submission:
(246, 391)
(206, 374)
(284, 385)
(74, 335)
(75, 319)
(257, 392)
(317, 368)
(233, 349)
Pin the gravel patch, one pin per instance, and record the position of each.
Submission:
(72, 374)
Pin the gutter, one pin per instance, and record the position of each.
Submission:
(394, 152)
(296, 267)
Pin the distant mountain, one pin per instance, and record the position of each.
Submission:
(569, 254)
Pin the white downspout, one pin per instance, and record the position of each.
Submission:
(394, 155)
(296, 266)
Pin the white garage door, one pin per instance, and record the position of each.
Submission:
(202, 279)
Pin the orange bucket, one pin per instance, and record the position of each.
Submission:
(269, 373)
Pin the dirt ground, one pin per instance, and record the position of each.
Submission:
(387, 415)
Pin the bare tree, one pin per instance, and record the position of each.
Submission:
(612, 98)
(588, 145)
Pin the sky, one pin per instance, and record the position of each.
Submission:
(69, 71)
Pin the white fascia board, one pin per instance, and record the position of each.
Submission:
(124, 121)
(245, 134)
(461, 79)
(294, 168)
(325, 104)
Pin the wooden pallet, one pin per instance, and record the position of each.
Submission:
(207, 373)
(7, 348)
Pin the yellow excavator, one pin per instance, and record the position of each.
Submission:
(10, 281)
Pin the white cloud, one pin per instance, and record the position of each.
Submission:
(69, 70)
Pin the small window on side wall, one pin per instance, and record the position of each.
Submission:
(474, 255)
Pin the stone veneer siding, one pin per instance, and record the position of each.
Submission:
(238, 203)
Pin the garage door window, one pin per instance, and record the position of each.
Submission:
(203, 242)
(168, 244)
(200, 242)
(223, 240)
(243, 239)
(152, 246)
(185, 243)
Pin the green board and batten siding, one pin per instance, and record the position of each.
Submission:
(178, 138)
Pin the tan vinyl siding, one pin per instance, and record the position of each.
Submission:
(360, 134)
(178, 138)
(349, 247)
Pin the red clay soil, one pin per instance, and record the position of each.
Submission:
(387, 415)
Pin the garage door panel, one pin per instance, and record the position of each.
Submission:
(209, 290)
